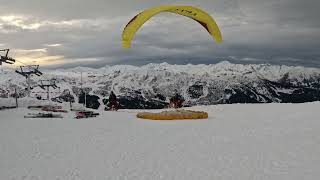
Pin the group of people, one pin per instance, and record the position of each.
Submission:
(113, 105)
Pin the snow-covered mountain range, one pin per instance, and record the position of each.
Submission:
(151, 86)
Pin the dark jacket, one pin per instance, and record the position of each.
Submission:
(112, 97)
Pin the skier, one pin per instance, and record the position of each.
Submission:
(176, 101)
(113, 104)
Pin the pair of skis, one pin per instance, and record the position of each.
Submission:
(43, 115)
(7, 107)
(86, 114)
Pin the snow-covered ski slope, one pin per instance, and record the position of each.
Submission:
(263, 142)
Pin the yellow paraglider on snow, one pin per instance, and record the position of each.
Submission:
(192, 12)
(174, 115)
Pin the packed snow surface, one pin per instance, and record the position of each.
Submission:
(263, 142)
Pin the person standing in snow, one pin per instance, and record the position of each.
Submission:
(113, 103)
(176, 101)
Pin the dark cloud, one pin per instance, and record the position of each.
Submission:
(255, 31)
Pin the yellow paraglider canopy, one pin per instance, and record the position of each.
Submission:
(174, 115)
(192, 12)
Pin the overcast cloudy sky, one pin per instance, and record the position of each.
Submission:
(67, 33)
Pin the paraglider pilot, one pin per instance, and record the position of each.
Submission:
(176, 101)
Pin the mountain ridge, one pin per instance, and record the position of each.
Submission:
(151, 85)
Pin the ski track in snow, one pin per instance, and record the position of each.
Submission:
(267, 141)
